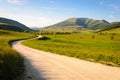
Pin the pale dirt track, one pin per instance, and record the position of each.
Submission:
(42, 65)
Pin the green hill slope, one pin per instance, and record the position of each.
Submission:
(10, 27)
(77, 24)
(111, 26)
(9, 24)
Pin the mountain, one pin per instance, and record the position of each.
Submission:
(35, 28)
(110, 26)
(5, 26)
(113, 28)
(12, 25)
(77, 24)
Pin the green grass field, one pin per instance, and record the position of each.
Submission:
(98, 47)
(11, 63)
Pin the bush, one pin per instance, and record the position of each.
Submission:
(93, 36)
(44, 38)
(112, 37)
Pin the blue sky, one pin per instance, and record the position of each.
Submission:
(41, 13)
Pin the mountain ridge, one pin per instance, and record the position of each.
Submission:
(9, 24)
(5, 26)
(112, 25)
(79, 23)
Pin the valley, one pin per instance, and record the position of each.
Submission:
(87, 42)
(59, 39)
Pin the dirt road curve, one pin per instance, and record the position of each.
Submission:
(47, 66)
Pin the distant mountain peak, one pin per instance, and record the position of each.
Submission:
(78, 23)
(105, 21)
(71, 20)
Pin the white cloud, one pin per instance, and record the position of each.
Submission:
(114, 7)
(17, 2)
(111, 16)
(1, 9)
(30, 21)
(113, 10)
(38, 21)
(52, 1)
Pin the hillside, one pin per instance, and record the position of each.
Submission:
(9, 24)
(113, 28)
(77, 24)
(5, 26)
(110, 26)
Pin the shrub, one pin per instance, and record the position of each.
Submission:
(44, 38)
(112, 37)
(93, 36)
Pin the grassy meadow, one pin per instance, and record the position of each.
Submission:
(97, 47)
(11, 63)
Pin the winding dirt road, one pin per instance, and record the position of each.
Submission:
(42, 65)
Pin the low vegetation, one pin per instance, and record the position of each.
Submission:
(98, 47)
(9, 24)
(11, 63)
(5, 26)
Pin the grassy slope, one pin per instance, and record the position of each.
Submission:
(94, 47)
(15, 23)
(111, 26)
(112, 31)
(11, 63)
(9, 27)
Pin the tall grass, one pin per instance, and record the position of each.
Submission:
(88, 46)
(11, 63)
